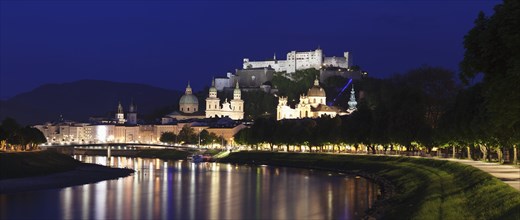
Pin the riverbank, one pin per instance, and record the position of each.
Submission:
(414, 188)
(27, 171)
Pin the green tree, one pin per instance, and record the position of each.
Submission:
(492, 47)
(187, 135)
(11, 132)
(168, 137)
(31, 138)
(207, 138)
(295, 84)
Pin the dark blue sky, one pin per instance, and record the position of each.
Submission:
(165, 43)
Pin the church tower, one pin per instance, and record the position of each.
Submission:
(120, 115)
(352, 102)
(132, 114)
(212, 102)
(237, 104)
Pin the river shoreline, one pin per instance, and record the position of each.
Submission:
(83, 174)
(29, 171)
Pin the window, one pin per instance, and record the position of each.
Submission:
(188, 109)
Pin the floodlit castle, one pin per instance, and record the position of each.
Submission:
(233, 109)
(300, 60)
(312, 105)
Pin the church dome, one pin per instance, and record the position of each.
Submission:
(188, 99)
(316, 90)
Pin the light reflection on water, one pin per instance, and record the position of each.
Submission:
(184, 190)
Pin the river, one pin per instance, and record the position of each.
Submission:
(184, 190)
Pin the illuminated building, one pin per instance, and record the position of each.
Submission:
(312, 105)
(300, 60)
(233, 109)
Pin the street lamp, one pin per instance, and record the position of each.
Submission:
(199, 138)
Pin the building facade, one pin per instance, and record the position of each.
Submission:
(233, 109)
(300, 60)
(312, 105)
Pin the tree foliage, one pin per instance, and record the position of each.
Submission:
(493, 49)
(168, 137)
(12, 136)
(187, 135)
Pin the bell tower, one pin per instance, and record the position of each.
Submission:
(237, 104)
(212, 102)
(120, 115)
(132, 113)
(352, 103)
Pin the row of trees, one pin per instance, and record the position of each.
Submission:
(397, 111)
(420, 110)
(425, 108)
(15, 137)
(187, 135)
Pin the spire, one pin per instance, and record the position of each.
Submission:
(352, 103)
(119, 108)
(132, 106)
(213, 90)
(274, 57)
(236, 92)
(316, 81)
(188, 89)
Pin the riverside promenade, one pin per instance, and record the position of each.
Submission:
(509, 174)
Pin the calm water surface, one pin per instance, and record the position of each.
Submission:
(184, 190)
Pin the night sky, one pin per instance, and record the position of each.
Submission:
(165, 43)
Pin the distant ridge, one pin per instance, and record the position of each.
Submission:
(81, 99)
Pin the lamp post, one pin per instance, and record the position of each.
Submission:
(199, 138)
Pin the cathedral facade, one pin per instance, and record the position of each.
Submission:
(233, 109)
(312, 105)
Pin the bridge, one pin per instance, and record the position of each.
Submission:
(119, 147)
(123, 145)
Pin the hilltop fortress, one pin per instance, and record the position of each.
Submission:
(300, 60)
(258, 74)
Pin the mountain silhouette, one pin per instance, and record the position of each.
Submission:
(79, 100)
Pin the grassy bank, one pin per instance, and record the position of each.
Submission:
(28, 171)
(26, 164)
(424, 188)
